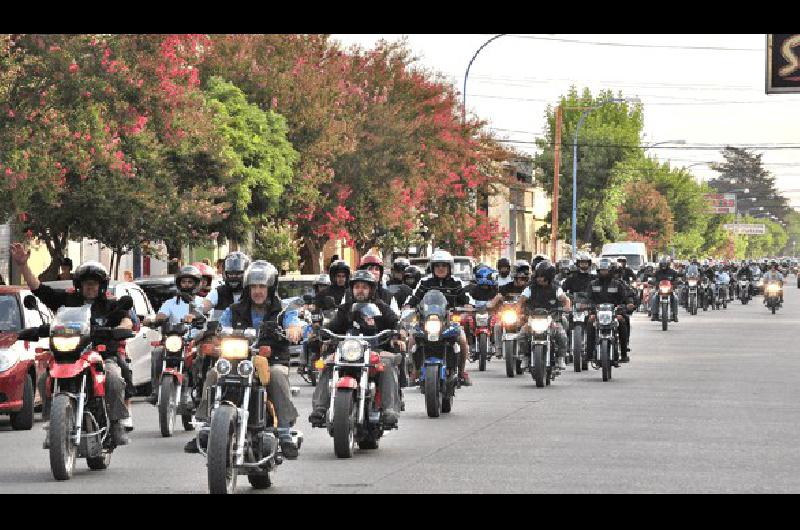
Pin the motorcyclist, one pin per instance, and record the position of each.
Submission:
(453, 289)
(606, 290)
(90, 282)
(625, 273)
(374, 264)
(774, 275)
(578, 282)
(396, 286)
(504, 272)
(175, 310)
(339, 273)
(231, 291)
(746, 273)
(665, 272)
(541, 293)
(563, 270)
(411, 277)
(259, 306)
(363, 288)
(522, 276)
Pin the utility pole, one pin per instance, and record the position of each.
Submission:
(556, 169)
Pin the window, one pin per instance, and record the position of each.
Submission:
(139, 302)
(10, 318)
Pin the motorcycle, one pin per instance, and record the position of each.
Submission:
(541, 358)
(693, 295)
(722, 295)
(606, 340)
(772, 296)
(665, 289)
(510, 324)
(437, 335)
(480, 323)
(313, 343)
(354, 415)
(744, 291)
(577, 335)
(706, 293)
(79, 425)
(243, 437)
(178, 392)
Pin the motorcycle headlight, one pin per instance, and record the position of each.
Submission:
(173, 344)
(234, 349)
(245, 368)
(773, 288)
(8, 358)
(539, 325)
(605, 318)
(223, 367)
(664, 290)
(433, 326)
(456, 319)
(509, 317)
(66, 344)
(351, 351)
(692, 283)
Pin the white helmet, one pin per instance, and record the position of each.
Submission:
(261, 273)
(442, 256)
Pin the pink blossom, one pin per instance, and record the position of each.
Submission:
(73, 68)
(11, 113)
(87, 137)
(119, 155)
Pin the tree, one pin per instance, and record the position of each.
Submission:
(609, 135)
(645, 215)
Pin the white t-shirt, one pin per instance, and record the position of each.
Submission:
(213, 298)
(176, 309)
(527, 292)
(503, 281)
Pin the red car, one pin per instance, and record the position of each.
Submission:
(20, 366)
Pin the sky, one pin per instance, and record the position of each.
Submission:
(702, 89)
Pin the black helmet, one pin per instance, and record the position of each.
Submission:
(366, 277)
(192, 272)
(235, 265)
(605, 265)
(339, 266)
(663, 263)
(522, 268)
(503, 262)
(538, 259)
(91, 270)
(412, 275)
(545, 270)
(400, 265)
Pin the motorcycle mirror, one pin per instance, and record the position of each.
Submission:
(308, 298)
(29, 335)
(30, 302)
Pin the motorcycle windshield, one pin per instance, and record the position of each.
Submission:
(394, 289)
(72, 322)
(433, 303)
(366, 310)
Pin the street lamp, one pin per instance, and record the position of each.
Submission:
(575, 167)
(466, 74)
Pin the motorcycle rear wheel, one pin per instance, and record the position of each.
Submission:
(433, 396)
(343, 435)
(221, 454)
(63, 450)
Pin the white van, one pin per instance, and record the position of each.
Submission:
(634, 251)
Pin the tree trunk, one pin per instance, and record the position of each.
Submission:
(55, 247)
(174, 252)
(588, 230)
(309, 254)
(119, 258)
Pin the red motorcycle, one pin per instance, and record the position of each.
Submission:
(79, 424)
(478, 324)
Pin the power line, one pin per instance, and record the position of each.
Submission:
(697, 147)
(650, 103)
(630, 45)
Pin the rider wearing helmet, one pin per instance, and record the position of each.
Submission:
(399, 266)
(339, 273)
(543, 294)
(411, 276)
(454, 290)
(522, 276)
(372, 316)
(774, 275)
(606, 290)
(90, 282)
(625, 273)
(397, 286)
(231, 291)
(374, 264)
(261, 309)
(665, 272)
(504, 272)
(207, 275)
(485, 287)
(578, 282)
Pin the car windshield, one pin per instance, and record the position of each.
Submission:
(10, 319)
(461, 268)
(634, 261)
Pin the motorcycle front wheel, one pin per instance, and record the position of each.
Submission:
(577, 348)
(63, 450)
(664, 317)
(483, 351)
(343, 427)
(167, 405)
(539, 370)
(605, 361)
(433, 395)
(221, 453)
(510, 357)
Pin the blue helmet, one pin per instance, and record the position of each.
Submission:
(485, 276)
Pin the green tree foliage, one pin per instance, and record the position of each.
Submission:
(609, 135)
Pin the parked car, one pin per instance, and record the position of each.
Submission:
(294, 285)
(138, 348)
(20, 367)
(634, 251)
(159, 289)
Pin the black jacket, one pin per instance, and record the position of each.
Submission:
(669, 274)
(401, 292)
(343, 320)
(224, 297)
(627, 275)
(242, 318)
(338, 293)
(482, 295)
(542, 298)
(510, 289)
(608, 291)
(451, 288)
(577, 282)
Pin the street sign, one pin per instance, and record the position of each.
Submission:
(721, 203)
(783, 63)
(748, 230)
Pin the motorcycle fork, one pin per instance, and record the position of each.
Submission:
(362, 392)
(79, 411)
(244, 414)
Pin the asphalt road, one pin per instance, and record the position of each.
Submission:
(712, 405)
